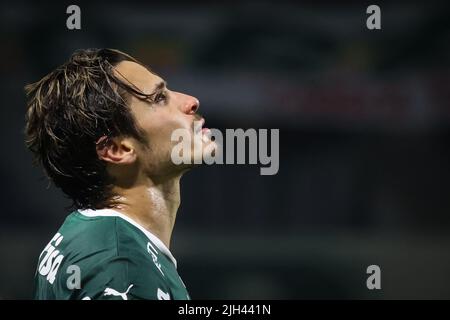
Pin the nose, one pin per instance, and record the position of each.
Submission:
(191, 104)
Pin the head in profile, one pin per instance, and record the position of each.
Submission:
(101, 126)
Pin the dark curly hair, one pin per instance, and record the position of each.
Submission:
(69, 111)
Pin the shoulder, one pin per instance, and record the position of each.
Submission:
(100, 237)
(112, 257)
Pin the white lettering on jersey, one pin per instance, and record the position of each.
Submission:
(154, 253)
(163, 295)
(113, 292)
(52, 260)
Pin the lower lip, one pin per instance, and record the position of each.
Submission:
(204, 130)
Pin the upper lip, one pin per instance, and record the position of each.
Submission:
(202, 122)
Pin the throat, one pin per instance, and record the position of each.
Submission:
(153, 206)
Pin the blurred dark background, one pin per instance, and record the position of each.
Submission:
(364, 123)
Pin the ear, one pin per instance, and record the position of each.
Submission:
(117, 150)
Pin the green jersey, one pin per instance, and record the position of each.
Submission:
(104, 254)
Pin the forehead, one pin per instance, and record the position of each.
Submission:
(138, 75)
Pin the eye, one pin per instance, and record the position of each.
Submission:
(160, 97)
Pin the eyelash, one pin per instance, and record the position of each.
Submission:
(161, 96)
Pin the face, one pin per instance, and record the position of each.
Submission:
(169, 111)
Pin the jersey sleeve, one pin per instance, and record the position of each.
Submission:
(122, 278)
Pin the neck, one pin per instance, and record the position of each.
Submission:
(152, 204)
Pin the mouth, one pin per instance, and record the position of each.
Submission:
(204, 131)
(202, 122)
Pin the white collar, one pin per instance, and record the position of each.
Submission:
(113, 213)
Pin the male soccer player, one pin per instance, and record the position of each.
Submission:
(101, 125)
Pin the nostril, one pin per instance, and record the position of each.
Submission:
(195, 105)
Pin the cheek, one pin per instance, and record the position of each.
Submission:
(159, 127)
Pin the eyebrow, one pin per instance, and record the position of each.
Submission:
(159, 87)
(133, 88)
